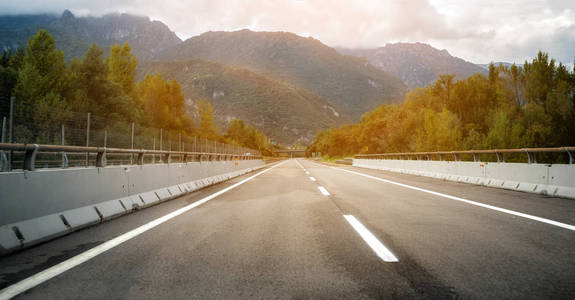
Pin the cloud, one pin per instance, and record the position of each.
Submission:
(480, 31)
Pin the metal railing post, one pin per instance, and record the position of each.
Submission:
(161, 141)
(154, 148)
(64, 157)
(3, 158)
(571, 158)
(30, 158)
(500, 158)
(132, 144)
(530, 157)
(101, 156)
(476, 157)
(3, 136)
(11, 132)
(87, 138)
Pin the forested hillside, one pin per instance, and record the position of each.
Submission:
(48, 92)
(350, 85)
(286, 113)
(511, 107)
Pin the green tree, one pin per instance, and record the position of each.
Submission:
(503, 133)
(8, 76)
(43, 84)
(440, 132)
(95, 93)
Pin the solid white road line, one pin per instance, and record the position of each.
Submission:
(371, 240)
(323, 190)
(311, 178)
(66, 265)
(503, 210)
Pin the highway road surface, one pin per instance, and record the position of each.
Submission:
(302, 229)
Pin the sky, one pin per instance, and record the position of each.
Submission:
(479, 31)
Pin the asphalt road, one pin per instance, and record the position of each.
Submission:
(283, 234)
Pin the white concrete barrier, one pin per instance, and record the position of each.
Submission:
(548, 179)
(39, 205)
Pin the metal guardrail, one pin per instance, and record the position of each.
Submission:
(31, 150)
(530, 152)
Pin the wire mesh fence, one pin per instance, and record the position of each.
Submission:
(58, 127)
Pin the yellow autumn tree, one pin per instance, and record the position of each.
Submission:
(163, 102)
(122, 67)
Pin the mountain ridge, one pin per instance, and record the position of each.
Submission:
(349, 84)
(416, 64)
(74, 35)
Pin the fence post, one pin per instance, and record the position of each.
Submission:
(3, 158)
(87, 138)
(500, 158)
(132, 144)
(64, 157)
(101, 156)
(11, 132)
(3, 138)
(161, 140)
(154, 148)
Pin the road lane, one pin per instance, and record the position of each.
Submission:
(284, 234)
(276, 236)
(68, 264)
(479, 252)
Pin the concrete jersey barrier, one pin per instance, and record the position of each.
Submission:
(548, 179)
(39, 205)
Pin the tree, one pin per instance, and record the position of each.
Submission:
(504, 132)
(440, 132)
(245, 135)
(122, 68)
(443, 87)
(163, 102)
(539, 77)
(205, 112)
(95, 93)
(8, 76)
(43, 84)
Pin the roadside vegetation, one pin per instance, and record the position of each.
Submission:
(48, 89)
(512, 107)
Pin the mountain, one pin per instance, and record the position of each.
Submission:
(417, 64)
(349, 84)
(286, 113)
(74, 35)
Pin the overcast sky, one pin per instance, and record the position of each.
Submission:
(476, 30)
